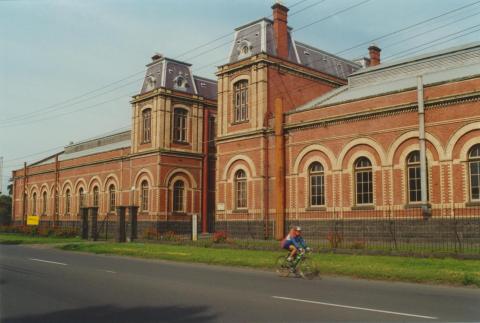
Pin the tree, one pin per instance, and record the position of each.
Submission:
(10, 189)
(5, 210)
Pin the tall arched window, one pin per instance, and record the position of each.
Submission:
(44, 203)
(81, 198)
(414, 183)
(240, 190)
(57, 202)
(95, 196)
(240, 101)
(146, 125)
(178, 196)
(67, 202)
(180, 125)
(317, 185)
(112, 199)
(474, 168)
(34, 204)
(363, 181)
(144, 196)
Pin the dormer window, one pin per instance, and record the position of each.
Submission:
(150, 83)
(180, 83)
(244, 49)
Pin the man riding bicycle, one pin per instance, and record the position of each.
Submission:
(294, 242)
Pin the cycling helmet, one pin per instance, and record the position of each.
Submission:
(298, 228)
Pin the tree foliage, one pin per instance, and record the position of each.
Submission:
(5, 209)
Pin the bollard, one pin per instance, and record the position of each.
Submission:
(194, 227)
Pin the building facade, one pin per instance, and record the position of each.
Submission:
(164, 165)
(293, 134)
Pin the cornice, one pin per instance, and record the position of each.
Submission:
(384, 111)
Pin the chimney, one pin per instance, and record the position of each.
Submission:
(156, 57)
(374, 53)
(280, 29)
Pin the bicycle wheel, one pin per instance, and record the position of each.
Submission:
(281, 266)
(307, 269)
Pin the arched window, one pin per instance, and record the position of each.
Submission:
(144, 196)
(112, 200)
(95, 196)
(146, 125)
(178, 196)
(414, 183)
(34, 204)
(363, 181)
(44, 203)
(317, 185)
(180, 125)
(57, 202)
(240, 101)
(67, 202)
(474, 168)
(81, 198)
(240, 190)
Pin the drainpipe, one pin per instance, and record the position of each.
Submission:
(279, 171)
(421, 137)
(205, 171)
(24, 206)
(266, 206)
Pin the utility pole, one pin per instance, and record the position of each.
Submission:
(1, 175)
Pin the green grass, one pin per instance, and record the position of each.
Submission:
(15, 238)
(440, 271)
(421, 270)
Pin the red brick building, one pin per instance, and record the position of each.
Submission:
(302, 136)
(164, 164)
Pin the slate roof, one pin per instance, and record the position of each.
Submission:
(90, 147)
(176, 75)
(258, 36)
(447, 65)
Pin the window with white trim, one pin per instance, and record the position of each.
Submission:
(240, 189)
(474, 170)
(317, 184)
(363, 181)
(240, 101)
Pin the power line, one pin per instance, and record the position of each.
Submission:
(406, 28)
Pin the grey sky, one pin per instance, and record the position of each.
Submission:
(54, 51)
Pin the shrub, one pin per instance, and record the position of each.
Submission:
(150, 233)
(220, 237)
(358, 245)
(334, 239)
(169, 236)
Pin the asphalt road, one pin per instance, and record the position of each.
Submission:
(40, 284)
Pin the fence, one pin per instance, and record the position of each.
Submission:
(411, 230)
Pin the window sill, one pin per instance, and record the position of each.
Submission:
(362, 207)
(179, 213)
(240, 211)
(239, 122)
(185, 143)
(417, 205)
(316, 208)
(472, 204)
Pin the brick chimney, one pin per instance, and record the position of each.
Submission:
(374, 53)
(280, 29)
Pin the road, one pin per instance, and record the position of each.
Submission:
(41, 284)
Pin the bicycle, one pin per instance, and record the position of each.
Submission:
(301, 266)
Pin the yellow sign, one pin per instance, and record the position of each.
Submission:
(33, 219)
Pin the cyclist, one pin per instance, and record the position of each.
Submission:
(294, 242)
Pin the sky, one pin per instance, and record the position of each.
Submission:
(68, 68)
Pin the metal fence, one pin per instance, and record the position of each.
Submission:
(401, 229)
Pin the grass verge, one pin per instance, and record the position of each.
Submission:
(420, 270)
(15, 238)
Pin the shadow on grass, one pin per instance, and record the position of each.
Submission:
(11, 242)
(109, 313)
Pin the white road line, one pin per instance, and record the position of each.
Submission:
(354, 307)
(50, 262)
(111, 271)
